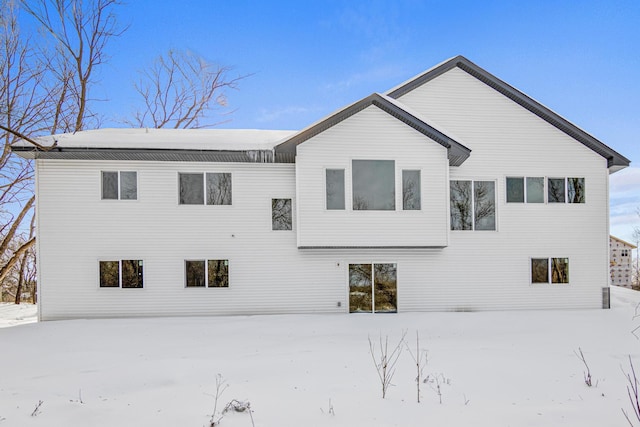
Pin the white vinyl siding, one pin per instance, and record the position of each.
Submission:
(457, 270)
(508, 140)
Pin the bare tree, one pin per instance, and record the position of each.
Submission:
(633, 391)
(25, 272)
(44, 89)
(81, 30)
(386, 360)
(420, 358)
(179, 89)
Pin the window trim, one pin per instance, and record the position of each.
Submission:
(118, 184)
(204, 188)
(206, 273)
(119, 261)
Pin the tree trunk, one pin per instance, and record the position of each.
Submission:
(20, 279)
(6, 269)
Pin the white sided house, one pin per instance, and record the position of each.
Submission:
(452, 191)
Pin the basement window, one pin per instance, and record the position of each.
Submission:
(207, 273)
(121, 274)
(550, 270)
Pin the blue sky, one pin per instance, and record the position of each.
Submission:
(309, 58)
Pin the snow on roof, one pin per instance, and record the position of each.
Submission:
(170, 139)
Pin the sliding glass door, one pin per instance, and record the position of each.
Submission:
(373, 288)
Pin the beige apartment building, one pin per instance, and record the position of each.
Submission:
(621, 260)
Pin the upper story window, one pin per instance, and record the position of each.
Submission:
(126, 273)
(473, 205)
(281, 215)
(335, 189)
(374, 185)
(530, 189)
(120, 185)
(565, 190)
(411, 190)
(204, 188)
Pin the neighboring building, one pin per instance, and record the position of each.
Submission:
(621, 261)
(452, 191)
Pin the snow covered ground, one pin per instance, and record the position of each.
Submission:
(496, 369)
(12, 314)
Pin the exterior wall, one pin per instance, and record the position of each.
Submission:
(507, 140)
(621, 259)
(371, 135)
(77, 229)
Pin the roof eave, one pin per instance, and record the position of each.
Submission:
(615, 160)
(146, 154)
(457, 152)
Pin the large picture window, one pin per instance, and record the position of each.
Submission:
(473, 205)
(207, 273)
(120, 185)
(335, 189)
(205, 188)
(121, 274)
(281, 215)
(374, 185)
(550, 270)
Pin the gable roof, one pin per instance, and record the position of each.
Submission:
(457, 152)
(612, 237)
(615, 160)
